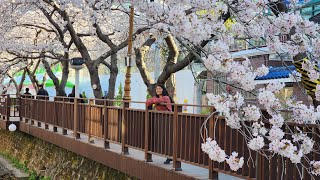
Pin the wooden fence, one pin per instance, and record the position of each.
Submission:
(175, 135)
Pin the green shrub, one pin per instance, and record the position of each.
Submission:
(148, 96)
(205, 110)
(119, 96)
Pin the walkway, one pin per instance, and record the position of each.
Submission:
(189, 170)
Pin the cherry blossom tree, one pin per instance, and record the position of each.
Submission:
(30, 38)
(93, 30)
(195, 22)
(94, 18)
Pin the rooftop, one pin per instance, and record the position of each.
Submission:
(277, 73)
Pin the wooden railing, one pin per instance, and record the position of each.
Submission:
(175, 135)
(9, 106)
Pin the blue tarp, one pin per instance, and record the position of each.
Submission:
(277, 73)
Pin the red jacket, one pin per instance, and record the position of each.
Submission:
(157, 101)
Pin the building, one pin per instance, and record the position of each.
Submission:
(280, 65)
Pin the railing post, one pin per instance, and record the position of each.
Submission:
(147, 156)
(38, 113)
(212, 174)
(176, 163)
(3, 106)
(75, 119)
(8, 108)
(105, 124)
(55, 121)
(64, 130)
(20, 107)
(25, 108)
(28, 107)
(35, 102)
(124, 149)
(46, 126)
(89, 137)
(38, 122)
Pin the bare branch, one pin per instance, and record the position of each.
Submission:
(103, 37)
(119, 47)
(106, 64)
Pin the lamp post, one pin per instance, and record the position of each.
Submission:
(77, 65)
(127, 88)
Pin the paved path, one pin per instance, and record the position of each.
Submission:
(8, 171)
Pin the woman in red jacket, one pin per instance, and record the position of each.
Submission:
(162, 97)
(161, 101)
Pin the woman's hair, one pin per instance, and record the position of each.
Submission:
(164, 90)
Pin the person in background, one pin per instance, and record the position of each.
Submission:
(160, 101)
(73, 94)
(27, 92)
(42, 92)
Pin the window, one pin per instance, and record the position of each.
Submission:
(286, 92)
(219, 88)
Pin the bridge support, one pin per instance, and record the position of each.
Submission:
(106, 145)
(77, 135)
(64, 131)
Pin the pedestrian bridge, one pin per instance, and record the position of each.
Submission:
(137, 141)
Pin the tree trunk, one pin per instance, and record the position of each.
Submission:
(33, 77)
(151, 89)
(15, 84)
(22, 80)
(142, 67)
(61, 89)
(95, 80)
(59, 86)
(171, 87)
(113, 77)
(33, 80)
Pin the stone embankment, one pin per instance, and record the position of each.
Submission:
(51, 161)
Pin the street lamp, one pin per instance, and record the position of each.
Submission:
(77, 65)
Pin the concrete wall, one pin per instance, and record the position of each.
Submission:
(53, 161)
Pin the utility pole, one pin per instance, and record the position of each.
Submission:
(127, 87)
